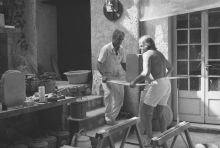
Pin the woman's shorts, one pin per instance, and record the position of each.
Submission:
(157, 93)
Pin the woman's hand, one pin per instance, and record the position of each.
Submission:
(132, 84)
(148, 80)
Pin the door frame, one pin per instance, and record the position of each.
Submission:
(194, 94)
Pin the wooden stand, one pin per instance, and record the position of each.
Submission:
(173, 132)
(107, 133)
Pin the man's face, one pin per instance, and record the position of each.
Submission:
(117, 42)
(144, 46)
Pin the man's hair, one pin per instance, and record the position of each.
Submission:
(118, 34)
(148, 39)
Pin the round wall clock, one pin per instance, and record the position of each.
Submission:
(113, 11)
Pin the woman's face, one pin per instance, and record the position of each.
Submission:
(144, 46)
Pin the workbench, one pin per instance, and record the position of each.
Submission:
(52, 115)
(19, 110)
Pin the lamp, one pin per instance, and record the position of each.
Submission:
(112, 9)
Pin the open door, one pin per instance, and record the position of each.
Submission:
(74, 35)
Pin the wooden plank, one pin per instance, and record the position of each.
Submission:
(124, 83)
(138, 134)
(117, 127)
(142, 84)
(176, 130)
(188, 138)
(15, 111)
(100, 143)
(173, 142)
(126, 124)
(111, 142)
(125, 137)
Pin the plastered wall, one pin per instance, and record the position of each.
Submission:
(102, 28)
(158, 30)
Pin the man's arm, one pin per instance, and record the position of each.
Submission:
(123, 66)
(100, 69)
(100, 61)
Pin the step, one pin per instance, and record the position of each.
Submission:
(84, 104)
(205, 128)
(94, 119)
(93, 101)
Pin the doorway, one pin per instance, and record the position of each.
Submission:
(74, 35)
(197, 56)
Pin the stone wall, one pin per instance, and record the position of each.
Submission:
(22, 48)
(34, 41)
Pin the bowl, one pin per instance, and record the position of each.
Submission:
(78, 76)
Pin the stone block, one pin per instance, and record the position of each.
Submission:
(13, 88)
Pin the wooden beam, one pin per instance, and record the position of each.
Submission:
(174, 131)
(117, 127)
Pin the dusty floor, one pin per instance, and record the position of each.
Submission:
(196, 137)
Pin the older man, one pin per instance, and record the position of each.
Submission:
(111, 65)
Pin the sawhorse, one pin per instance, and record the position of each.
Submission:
(125, 125)
(173, 132)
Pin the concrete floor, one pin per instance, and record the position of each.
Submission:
(197, 137)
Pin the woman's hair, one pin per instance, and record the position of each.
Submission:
(118, 34)
(148, 39)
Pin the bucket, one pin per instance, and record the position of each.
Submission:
(37, 143)
(50, 85)
(62, 137)
(78, 76)
(206, 145)
(52, 141)
(81, 140)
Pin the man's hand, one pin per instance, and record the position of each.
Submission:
(132, 84)
(104, 79)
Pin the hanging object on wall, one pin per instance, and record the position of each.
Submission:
(112, 9)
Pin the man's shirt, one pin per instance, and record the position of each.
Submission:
(112, 61)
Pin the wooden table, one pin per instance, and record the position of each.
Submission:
(15, 111)
(52, 115)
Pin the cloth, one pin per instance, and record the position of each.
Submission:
(157, 93)
(113, 93)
